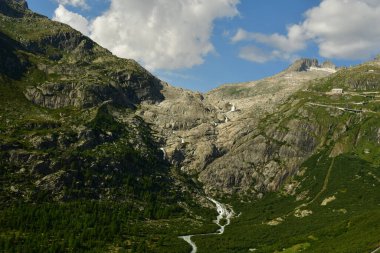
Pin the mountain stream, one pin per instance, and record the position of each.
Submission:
(224, 212)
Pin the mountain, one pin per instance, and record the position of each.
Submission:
(67, 108)
(222, 147)
(72, 148)
(99, 155)
(329, 201)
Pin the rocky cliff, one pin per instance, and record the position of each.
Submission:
(97, 154)
(67, 123)
(250, 137)
(66, 102)
(216, 137)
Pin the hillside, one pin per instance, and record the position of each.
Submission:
(332, 203)
(205, 138)
(72, 148)
(297, 159)
(99, 155)
(65, 101)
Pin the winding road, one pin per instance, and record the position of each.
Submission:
(224, 212)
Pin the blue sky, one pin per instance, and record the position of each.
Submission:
(223, 41)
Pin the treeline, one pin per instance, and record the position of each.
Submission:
(77, 226)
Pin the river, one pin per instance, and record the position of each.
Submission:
(224, 212)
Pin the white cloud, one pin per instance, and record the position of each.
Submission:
(75, 3)
(75, 20)
(255, 54)
(343, 29)
(161, 34)
(284, 47)
(260, 55)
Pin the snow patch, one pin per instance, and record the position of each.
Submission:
(330, 70)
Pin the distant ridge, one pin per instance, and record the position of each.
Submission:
(306, 64)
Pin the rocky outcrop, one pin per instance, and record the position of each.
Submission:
(240, 138)
(303, 65)
(92, 158)
(14, 8)
(71, 69)
(202, 135)
(60, 39)
(67, 127)
(328, 65)
(261, 162)
(125, 93)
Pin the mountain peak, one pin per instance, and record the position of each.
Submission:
(303, 65)
(328, 64)
(21, 3)
(14, 8)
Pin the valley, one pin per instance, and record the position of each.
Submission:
(224, 213)
(99, 155)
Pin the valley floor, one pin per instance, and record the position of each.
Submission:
(335, 208)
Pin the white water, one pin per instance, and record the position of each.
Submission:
(224, 212)
(187, 238)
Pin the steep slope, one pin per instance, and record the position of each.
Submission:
(79, 170)
(331, 203)
(98, 155)
(203, 134)
(66, 108)
(249, 162)
(315, 143)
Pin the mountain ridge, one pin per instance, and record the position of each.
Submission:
(128, 159)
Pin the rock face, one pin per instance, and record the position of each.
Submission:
(67, 126)
(14, 8)
(82, 109)
(22, 3)
(262, 160)
(97, 77)
(303, 65)
(217, 137)
(228, 150)
(328, 65)
(81, 94)
(123, 82)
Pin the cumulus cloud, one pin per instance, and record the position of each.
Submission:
(283, 47)
(75, 3)
(75, 20)
(291, 43)
(161, 34)
(341, 29)
(262, 55)
(345, 29)
(255, 54)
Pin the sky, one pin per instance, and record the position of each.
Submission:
(202, 44)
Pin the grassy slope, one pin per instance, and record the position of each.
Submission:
(351, 222)
(348, 224)
(66, 227)
(143, 213)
